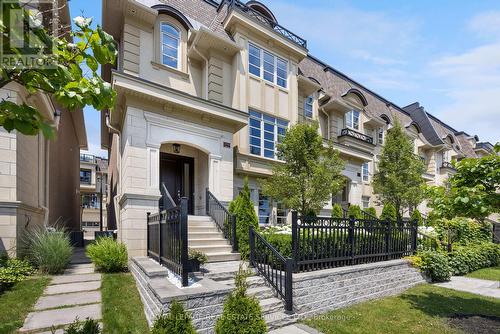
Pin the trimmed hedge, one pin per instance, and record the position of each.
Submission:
(389, 212)
(435, 265)
(354, 211)
(337, 211)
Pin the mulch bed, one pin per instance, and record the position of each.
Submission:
(476, 324)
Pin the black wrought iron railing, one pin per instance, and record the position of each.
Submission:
(274, 267)
(426, 242)
(321, 242)
(225, 221)
(167, 239)
(255, 15)
(87, 157)
(367, 216)
(355, 134)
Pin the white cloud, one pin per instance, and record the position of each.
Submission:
(486, 24)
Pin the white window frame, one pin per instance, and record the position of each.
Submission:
(277, 124)
(162, 45)
(276, 59)
(380, 136)
(365, 172)
(365, 199)
(308, 107)
(349, 119)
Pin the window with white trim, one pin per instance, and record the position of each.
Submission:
(365, 171)
(170, 42)
(365, 201)
(381, 136)
(265, 133)
(267, 66)
(352, 119)
(308, 107)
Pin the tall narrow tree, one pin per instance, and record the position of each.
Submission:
(310, 174)
(399, 177)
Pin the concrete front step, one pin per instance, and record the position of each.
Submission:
(209, 248)
(220, 257)
(252, 282)
(196, 219)
(205, 235)
(260, 292)
(271, 305)
(211, 242)
(203, 229)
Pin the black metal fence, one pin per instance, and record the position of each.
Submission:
(320, 242)
(167, 238)
(273, 266)
(225, 221)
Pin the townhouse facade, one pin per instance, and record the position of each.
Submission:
(39, 183)
(94, 194)
(207, 89)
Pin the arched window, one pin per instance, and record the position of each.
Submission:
(170, 41)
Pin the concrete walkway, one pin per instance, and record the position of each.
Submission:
(473, 285)
(75, 294)
(295, 329)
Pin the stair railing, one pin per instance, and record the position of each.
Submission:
(274, 267)
(225, 221)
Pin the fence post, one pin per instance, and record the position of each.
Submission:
(251, 243)
(295, 239)
(147, 232)
(183, 220)
(234, 237)
(387, 239)
(351, 237)
(159, 237)
(207, 201)
(289, 285)
(414, 236)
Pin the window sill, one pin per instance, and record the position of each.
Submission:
(158, 66)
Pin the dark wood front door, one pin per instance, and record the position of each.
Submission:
(177, 173)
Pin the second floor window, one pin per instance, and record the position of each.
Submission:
(265, 132)
(85, 176)
(266, 65)
(170, 40)
(308, 107)
(365, 172)
(381, 136)
(352, 119)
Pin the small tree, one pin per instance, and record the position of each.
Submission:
(416, 215)
(243, 208)
(310, 174)
(241, 314)
(399, 177)
(337, 211)
(354, 211)
(65, 81)
(389, 212)
(371, 211)
(177, 320)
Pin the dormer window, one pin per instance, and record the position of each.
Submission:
(308, 107)
(352, 119)
(170, 41)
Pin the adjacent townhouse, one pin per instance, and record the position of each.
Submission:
(207, 89)
(39, 182)
(94, 193)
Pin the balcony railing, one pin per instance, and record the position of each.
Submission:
(240, 6)
(87, 158)
(357, 135)
(448, 165)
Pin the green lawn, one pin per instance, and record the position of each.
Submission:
(422, 309)
(121, 305)
(492, 273)
(16, 302)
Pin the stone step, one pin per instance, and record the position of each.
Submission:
(279, 319)
(271, 305)
(203, 229)
(253, 282)
(46, 319)
(261, 292)
(200, 219)
(211, 242)
(220, 257)
(202, 224)
(68, 299)
(208, 248)
(205, 235)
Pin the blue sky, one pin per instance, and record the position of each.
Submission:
(444, 54)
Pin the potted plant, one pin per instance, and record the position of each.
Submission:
(196, 258)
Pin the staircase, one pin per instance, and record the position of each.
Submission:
(272, 307)
(204, 236)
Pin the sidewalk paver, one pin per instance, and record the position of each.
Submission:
(473, 285)
(295, 329)
(75, 294)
